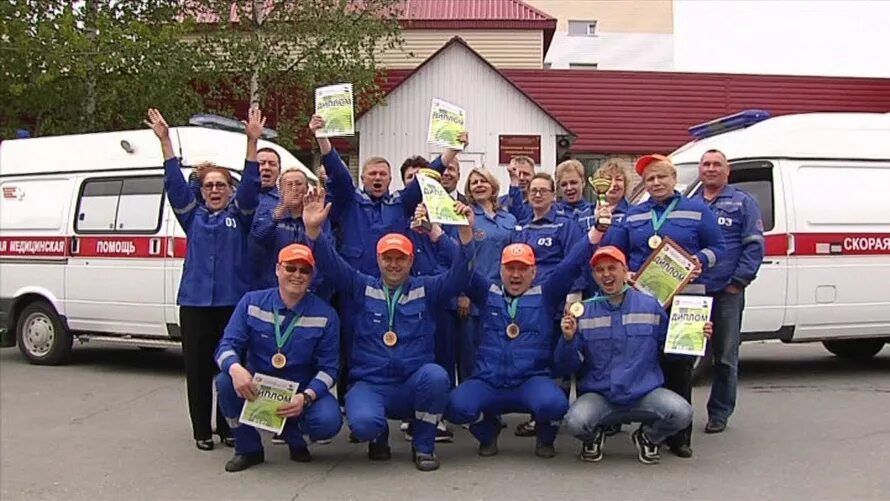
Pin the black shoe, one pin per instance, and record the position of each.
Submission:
(526, 429)
(682, 451)
(425, 462)
(489, 449)
(228, 441)
(353, 439)
(648, 451)
(244, 461)
(379, 452)
(715, 426)
(300, 454)
(543, 450)
(278, 439)
(612, 429)
(204, 445)
(592, 451)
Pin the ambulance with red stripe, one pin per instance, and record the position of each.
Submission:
(89, 246)
(823, 184)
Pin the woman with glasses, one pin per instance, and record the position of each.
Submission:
(216, 271)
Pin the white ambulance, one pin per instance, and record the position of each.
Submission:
(89, 247)
(823, 184)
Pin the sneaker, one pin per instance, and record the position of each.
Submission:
(277, 439)
(404, 426)
(543, 450)
(715, 426)
(425, 462)
(526, 429)
(409, 431)
(352, 438)
(443, 434)
(379, 451)
(324, 441)
(592, 451)
(648, 451)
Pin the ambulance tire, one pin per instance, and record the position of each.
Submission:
(48, 341)
(855, 349)
(702, 366)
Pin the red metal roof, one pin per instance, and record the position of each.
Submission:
(514, 10)
(646, 112)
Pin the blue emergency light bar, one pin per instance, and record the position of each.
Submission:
(720, 125)
(222, 123)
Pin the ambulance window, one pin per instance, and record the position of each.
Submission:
(756, 179)
(140, 204)
(97, 207)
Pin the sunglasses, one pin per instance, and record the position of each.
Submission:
(219, 185)
(540, 191)
(290, 268)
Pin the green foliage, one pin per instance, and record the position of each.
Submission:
(72, 67)
(275, 53)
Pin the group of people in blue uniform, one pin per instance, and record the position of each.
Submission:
(337, 286)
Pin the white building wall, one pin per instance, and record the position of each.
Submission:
(613, 51)
(397, 128)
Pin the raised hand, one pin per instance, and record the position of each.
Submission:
(464, 138)
(315, 211)
(255, 124)
(158, 124)
(316, 124)
(465, 210)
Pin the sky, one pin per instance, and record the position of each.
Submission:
(798, 37)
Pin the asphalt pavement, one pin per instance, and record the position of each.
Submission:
(113, 424)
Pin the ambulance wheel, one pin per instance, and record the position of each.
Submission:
(41, 336)
(855, 349)
(702, 366)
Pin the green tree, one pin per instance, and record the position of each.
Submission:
(91, 65)
(274, 53)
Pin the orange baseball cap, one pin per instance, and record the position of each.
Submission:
(646, 160)
(296, 252)
(518, 253)
(395, 241)
(608, 251)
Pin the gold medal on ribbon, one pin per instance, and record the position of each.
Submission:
(279, 360)
(654, 242)
(576, 309)
(390, 338)
(512, 331)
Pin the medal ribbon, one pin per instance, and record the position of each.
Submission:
(658, 223)
(599, 297)
(512, 307)
(281, 339)
(391, 301)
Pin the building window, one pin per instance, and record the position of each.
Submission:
(582, 28)
(582, 66)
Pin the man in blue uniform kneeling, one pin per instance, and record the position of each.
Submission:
(392, 371)
(615, 344)
(287, 333)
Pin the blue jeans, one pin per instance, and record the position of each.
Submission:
(422, 397)
(478, 403)
(662, 412)
(321, 421)
(727, 318)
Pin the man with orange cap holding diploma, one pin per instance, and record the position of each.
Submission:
(287, 333)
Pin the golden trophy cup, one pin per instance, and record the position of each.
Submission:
(601, 186)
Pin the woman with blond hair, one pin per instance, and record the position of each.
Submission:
(492, 230)
(216, 271)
